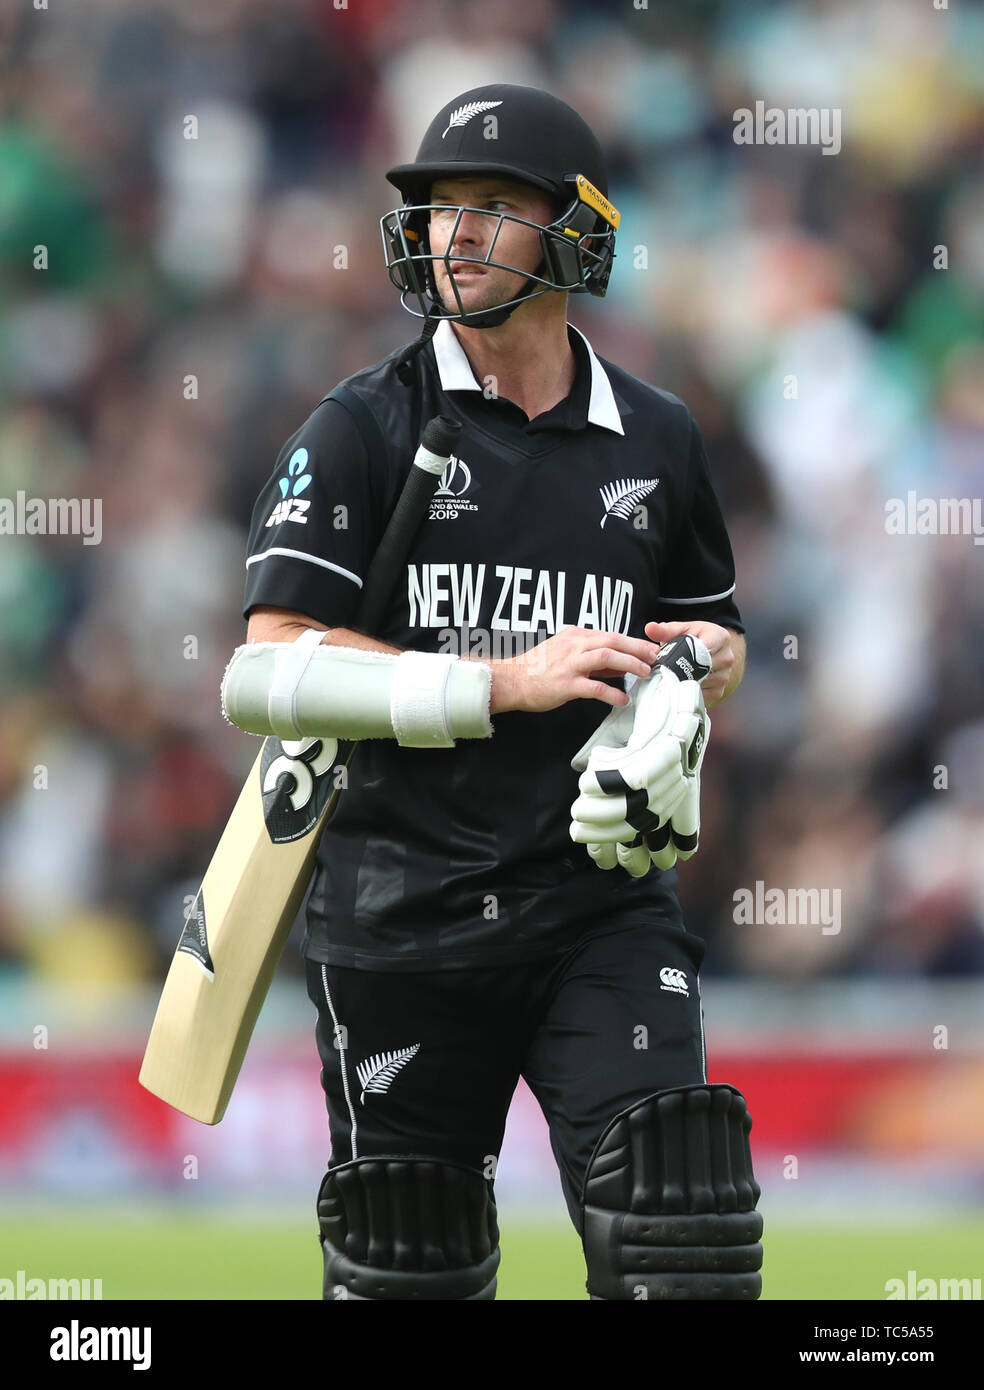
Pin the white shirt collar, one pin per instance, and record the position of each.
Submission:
(456, 374)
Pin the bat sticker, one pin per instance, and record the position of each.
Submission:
(296, 781)
(194, 938)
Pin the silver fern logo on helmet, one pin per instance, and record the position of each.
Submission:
(377, 1073)
(622, 498)
(464, 113)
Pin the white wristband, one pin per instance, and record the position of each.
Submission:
(418, 700)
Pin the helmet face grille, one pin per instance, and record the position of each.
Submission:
(578, 248)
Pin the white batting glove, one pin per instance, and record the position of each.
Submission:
(639, 802)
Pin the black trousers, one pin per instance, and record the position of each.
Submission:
(426, 1064)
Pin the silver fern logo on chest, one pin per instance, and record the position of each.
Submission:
(377, 1073)
(622, 498)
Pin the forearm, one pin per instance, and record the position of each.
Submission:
(348, 637)
(282, 625)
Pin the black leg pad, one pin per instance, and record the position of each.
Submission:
(669, 1200)
(408, 1228)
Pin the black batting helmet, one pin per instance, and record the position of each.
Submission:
(519, 133)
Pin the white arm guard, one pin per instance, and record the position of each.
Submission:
(304, 689)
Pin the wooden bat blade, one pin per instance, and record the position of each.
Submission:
(239, 923)
(236, 930)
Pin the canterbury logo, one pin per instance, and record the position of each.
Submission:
(622, 498)
(377, 1074)
(674, 980)
(464, 113)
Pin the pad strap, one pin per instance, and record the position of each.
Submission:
(418, 700)
(290, 664)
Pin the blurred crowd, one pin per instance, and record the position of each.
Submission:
(821, 316)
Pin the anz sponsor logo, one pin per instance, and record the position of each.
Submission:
(293, 508)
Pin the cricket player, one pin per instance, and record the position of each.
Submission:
(495, 896)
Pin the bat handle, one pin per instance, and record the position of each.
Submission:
(437, 444)
(432, 457)
(686, 656)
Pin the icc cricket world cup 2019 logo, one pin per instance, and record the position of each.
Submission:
(449, 495)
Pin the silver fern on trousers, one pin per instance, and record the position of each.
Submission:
(376, 1074)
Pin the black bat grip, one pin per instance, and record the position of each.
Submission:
(437, 444)
(680, 655)
(441, 435)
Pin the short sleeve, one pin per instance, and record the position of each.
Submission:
(314, 522)
(697, 578)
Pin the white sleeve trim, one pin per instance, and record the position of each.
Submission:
(702, 598)
(302, 555)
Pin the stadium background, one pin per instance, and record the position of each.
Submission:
(852, 758)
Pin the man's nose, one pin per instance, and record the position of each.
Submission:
(473, 227)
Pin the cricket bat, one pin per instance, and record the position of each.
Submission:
(236, 929)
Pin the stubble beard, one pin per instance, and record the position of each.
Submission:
(478, 298)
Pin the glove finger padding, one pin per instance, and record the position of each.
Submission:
(639, 791)
(685, 822)
(638, 795)
(680, 838)
(603, 855)
(634, 857)
(615, 729)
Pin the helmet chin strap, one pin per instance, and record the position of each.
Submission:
(404, 367)
(489, 318)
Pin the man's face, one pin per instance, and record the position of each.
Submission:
(485, 287)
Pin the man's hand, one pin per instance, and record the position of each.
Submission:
(727, 649)
(569, 666)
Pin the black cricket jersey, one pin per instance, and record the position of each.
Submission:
(599, 513)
